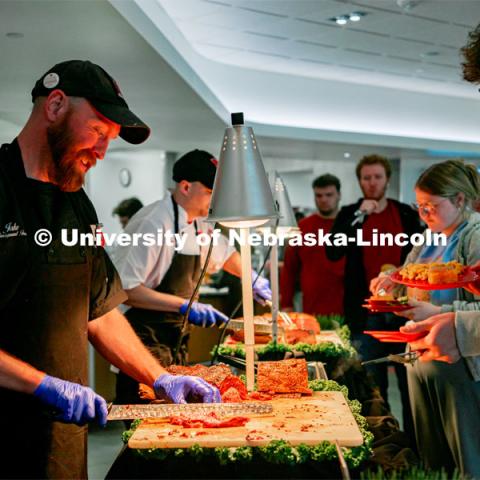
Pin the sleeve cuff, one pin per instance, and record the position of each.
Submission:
(446, 308)
(112, 302)
(467, 330)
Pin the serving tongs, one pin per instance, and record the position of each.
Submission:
(236, 362)
(407, 357)
(283, 315)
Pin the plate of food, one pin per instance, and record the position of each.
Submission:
(434, 276)
(387, 308)
(387, 303)
(394, 336)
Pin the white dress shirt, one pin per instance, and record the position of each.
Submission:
(147, 265)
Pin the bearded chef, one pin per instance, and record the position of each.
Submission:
(54, 298)
(160, 279)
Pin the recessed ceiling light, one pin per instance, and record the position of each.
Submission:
(344, 19)
(14, 35)
(432, 53)
(356, 16)
(346, 155)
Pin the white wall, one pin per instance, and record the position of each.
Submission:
(411, 168)
(299, 174)
(148, 182)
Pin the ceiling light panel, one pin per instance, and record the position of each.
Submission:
(327, 9)
(341, 20)
(356, 16)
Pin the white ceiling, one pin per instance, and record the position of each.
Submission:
(368, 83)
(389, 46)
(183, 65)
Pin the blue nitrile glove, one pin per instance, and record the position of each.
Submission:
(178, 387)
(203, 315)
(75, 403)
(261, 288)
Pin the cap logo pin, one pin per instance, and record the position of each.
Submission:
(117, 88)
(51, 80)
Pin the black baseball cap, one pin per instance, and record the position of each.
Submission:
(196, 166)
(81, 78)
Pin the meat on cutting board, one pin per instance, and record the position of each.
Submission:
(285, 376)
(210, 420)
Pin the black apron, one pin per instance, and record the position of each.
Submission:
(45, 324)
(162, 331)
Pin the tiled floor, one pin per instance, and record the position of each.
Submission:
(105, 444)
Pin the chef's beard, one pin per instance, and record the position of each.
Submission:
(66, 173)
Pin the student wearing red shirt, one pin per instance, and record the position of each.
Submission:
(373, 211)
(321, 281)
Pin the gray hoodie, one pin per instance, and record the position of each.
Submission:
(467, 305)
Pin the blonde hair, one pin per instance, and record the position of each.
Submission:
(449, 178)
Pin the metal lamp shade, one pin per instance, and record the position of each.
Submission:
(287, 223)
(241, 194)
(287, 220)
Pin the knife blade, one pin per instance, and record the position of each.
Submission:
(133, 412)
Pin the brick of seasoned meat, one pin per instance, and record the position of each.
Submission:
(296, 335)
(213, 375)
(304, 321)
(285, 376)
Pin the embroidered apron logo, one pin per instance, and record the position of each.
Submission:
(11, 229)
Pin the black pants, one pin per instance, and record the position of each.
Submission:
(369, 348)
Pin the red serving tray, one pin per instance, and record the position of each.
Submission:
(400, 307)
(377, 301)
(394, 336)
(465, 278)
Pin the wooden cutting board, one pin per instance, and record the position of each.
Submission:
(308, 420)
